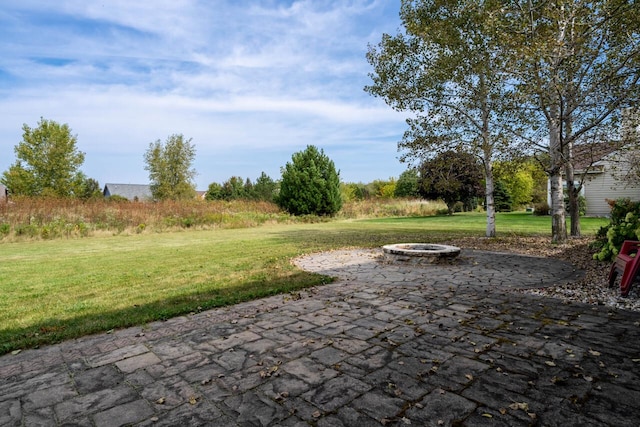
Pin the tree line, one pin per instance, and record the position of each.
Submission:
(48, 163)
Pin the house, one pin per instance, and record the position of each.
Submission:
(603, 181)
(137, 192)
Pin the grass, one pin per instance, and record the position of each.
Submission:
(51, 290)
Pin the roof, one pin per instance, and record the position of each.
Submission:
(128, 191)
(586, 155)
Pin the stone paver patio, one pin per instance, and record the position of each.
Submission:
(383, 345)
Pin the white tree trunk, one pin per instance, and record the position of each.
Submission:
(491, 208)
(558, 223)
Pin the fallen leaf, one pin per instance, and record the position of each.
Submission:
(469, 377)
(594, 353)
(502, 411)
(14, 352)
(316, 414)
(193, 400)
(487, 415)
(550, 363)
(160, 401)
(519, 405)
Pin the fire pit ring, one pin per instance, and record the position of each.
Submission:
(420, 253)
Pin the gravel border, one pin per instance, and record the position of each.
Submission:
(593, 288)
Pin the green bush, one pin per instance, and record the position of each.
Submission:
(310, 184)
(624, 225)
(541, 209)
(582, 205)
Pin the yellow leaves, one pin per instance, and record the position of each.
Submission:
(193, 400)
(550, 363)
(594, 353)
(161, 401)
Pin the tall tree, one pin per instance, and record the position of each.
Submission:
(48, 162)
(577, 63)
(447, 70)
(170, 168)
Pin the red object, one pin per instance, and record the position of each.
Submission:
(628, 263)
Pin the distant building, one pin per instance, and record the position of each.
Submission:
(134, 192)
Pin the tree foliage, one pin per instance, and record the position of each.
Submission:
(310, 184)
(170, 168)
(453, 177)
(265, 188)
(576, 65)
(408, 184)
(445, 70)
(47, 164)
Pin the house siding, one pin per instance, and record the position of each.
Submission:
(602, 186)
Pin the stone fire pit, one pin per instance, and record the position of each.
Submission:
(420, 253)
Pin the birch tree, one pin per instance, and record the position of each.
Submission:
(446, 69)
(577, 63)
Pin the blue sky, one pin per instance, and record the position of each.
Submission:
(251, 82)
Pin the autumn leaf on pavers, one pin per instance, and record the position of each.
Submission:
(282, 396)
(160, 401)
(503, 411)
(269, 372)
(469, 377)
(594, 353)
(487, 415)
(408, 321)
(550, 363)
(519, 405)
(193, 400)
(14, 352)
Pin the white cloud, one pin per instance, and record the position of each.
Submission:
(250, 81)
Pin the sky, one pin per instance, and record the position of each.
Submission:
(250, 82)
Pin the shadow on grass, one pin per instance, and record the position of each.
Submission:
(56, 330)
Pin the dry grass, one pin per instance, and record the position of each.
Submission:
(50, 218)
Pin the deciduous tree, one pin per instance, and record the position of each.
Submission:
(447, 69)
(170, 168)
(47, 164)
(453, 177)
(577, 64)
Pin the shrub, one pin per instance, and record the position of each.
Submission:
(541, 209)
(624, 225)
(310, 184)
(501, 197)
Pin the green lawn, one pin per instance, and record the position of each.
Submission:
(60, 289)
